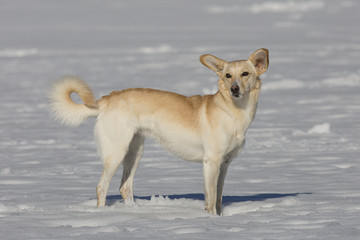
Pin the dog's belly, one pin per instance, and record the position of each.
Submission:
(181, 142)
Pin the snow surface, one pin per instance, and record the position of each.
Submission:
(298, 176)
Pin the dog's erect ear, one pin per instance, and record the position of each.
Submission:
(212, 62)
(260, 60)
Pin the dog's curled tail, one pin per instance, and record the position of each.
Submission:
(64, 109)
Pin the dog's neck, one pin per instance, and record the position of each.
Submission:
(243, 108)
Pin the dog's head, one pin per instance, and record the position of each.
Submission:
(238, 77)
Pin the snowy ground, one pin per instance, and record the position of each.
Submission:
(298, 176)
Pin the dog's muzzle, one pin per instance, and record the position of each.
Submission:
(235, 91)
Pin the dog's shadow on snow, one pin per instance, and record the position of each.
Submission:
(227, 200)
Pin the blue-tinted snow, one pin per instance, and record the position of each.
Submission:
(298, 176)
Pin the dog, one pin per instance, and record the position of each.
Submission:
(209, 129)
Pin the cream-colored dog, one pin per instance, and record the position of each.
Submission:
(209, 129)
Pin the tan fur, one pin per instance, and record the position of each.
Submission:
(209, 129)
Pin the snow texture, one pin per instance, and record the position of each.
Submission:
(298, 176)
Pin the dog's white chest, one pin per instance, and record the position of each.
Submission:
(236, 143)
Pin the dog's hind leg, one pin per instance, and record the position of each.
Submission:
(113, 145)
(130, 165)
(111, 165)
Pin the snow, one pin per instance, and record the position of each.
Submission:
(323, 128)
(350, 80)
(287, 6)
(298, 175)
(271, 6)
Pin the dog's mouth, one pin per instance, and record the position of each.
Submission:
(235, 92)
(236, 95)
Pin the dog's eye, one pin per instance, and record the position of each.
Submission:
(228, 75)
(244, 74)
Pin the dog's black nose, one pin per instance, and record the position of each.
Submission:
(235, 88)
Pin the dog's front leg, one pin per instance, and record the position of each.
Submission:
(211, 168)
(223, 169)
